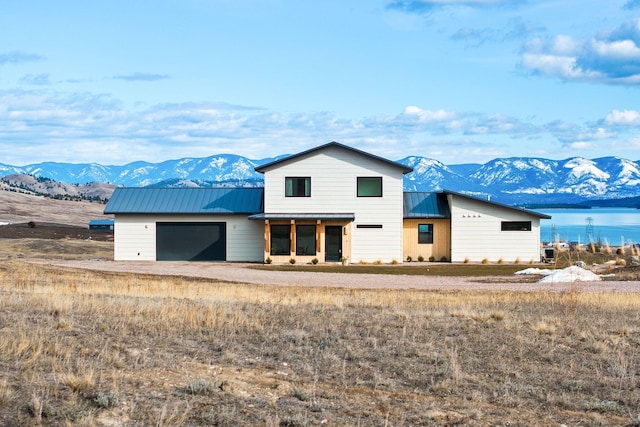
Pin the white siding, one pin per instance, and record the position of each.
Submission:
(476, 233)
(135, 236)
(334, 173)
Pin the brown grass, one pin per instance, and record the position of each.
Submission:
(19, 208)
(55, 249)
(86, 348)
(409, 269)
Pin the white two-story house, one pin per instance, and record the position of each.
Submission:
(331, 203)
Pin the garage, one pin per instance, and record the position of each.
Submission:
(191, 241)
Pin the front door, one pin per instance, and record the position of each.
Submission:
(333, 243)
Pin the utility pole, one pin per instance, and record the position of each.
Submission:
(589, 230)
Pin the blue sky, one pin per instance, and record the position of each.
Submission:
(455, 80)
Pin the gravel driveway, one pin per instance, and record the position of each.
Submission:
(243, 273)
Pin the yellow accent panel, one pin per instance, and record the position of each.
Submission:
(441, 246)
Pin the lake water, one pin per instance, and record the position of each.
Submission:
(608, 224)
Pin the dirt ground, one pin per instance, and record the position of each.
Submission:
(244, 273)
(37, 230)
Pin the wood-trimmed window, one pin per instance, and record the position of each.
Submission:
(297, 186)
(280, 239)
(425, 233)
(515, 226)
(369, 186)
(305, 239)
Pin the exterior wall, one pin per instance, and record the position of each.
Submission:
(441, 246)
(333, 173)
(476, 233)
(320, 241)
(135, 236)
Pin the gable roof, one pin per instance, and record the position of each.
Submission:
(514, 208)
(185, 201)
(425, 205)
(263, 168)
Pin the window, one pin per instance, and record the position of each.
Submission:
(369, 186)
(297, 187)
(369, 226)
(280, 239)
(425, 233)
(305, 239)
(516, 226)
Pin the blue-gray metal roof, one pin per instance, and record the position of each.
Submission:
(305, 216)
(185, 201)
(101, 222)
(405, 169)
(425, 205)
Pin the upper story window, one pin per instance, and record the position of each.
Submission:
(369, 186)
(297, 186)
(516, 226)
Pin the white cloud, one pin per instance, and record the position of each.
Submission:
(625, 117)
(611, 57)
(623, 49)
(428, 115)
(560, 66)
(581, 145)
(47, 126)
(565, 45)
(596, 134)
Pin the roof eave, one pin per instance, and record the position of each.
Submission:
(263, 168)
(514, 208)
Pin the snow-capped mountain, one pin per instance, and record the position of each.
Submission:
(429, 175)
(508, 180)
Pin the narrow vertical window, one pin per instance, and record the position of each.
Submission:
(280, 239)
(305, 239)
(369, 186)
(425, 233)
(297, 187)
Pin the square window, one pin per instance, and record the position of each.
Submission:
(369, 186)
(297, 187)
(425, 233)
(280, 239)
(305, 239)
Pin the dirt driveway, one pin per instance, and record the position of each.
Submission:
(243, 273)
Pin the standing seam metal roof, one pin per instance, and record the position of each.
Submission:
(425, 205)
(185, 201)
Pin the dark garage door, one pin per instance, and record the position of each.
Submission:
(191, 241)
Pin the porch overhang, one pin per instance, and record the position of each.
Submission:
(304, 216)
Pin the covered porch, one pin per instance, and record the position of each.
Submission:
(305, 237)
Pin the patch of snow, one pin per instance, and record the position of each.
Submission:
(581, 167)
(571, 274)
(566, 275)
(540, 271)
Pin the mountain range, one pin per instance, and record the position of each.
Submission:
(518, 180)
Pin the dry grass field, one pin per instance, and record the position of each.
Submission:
(22, 208)
(122, 349)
